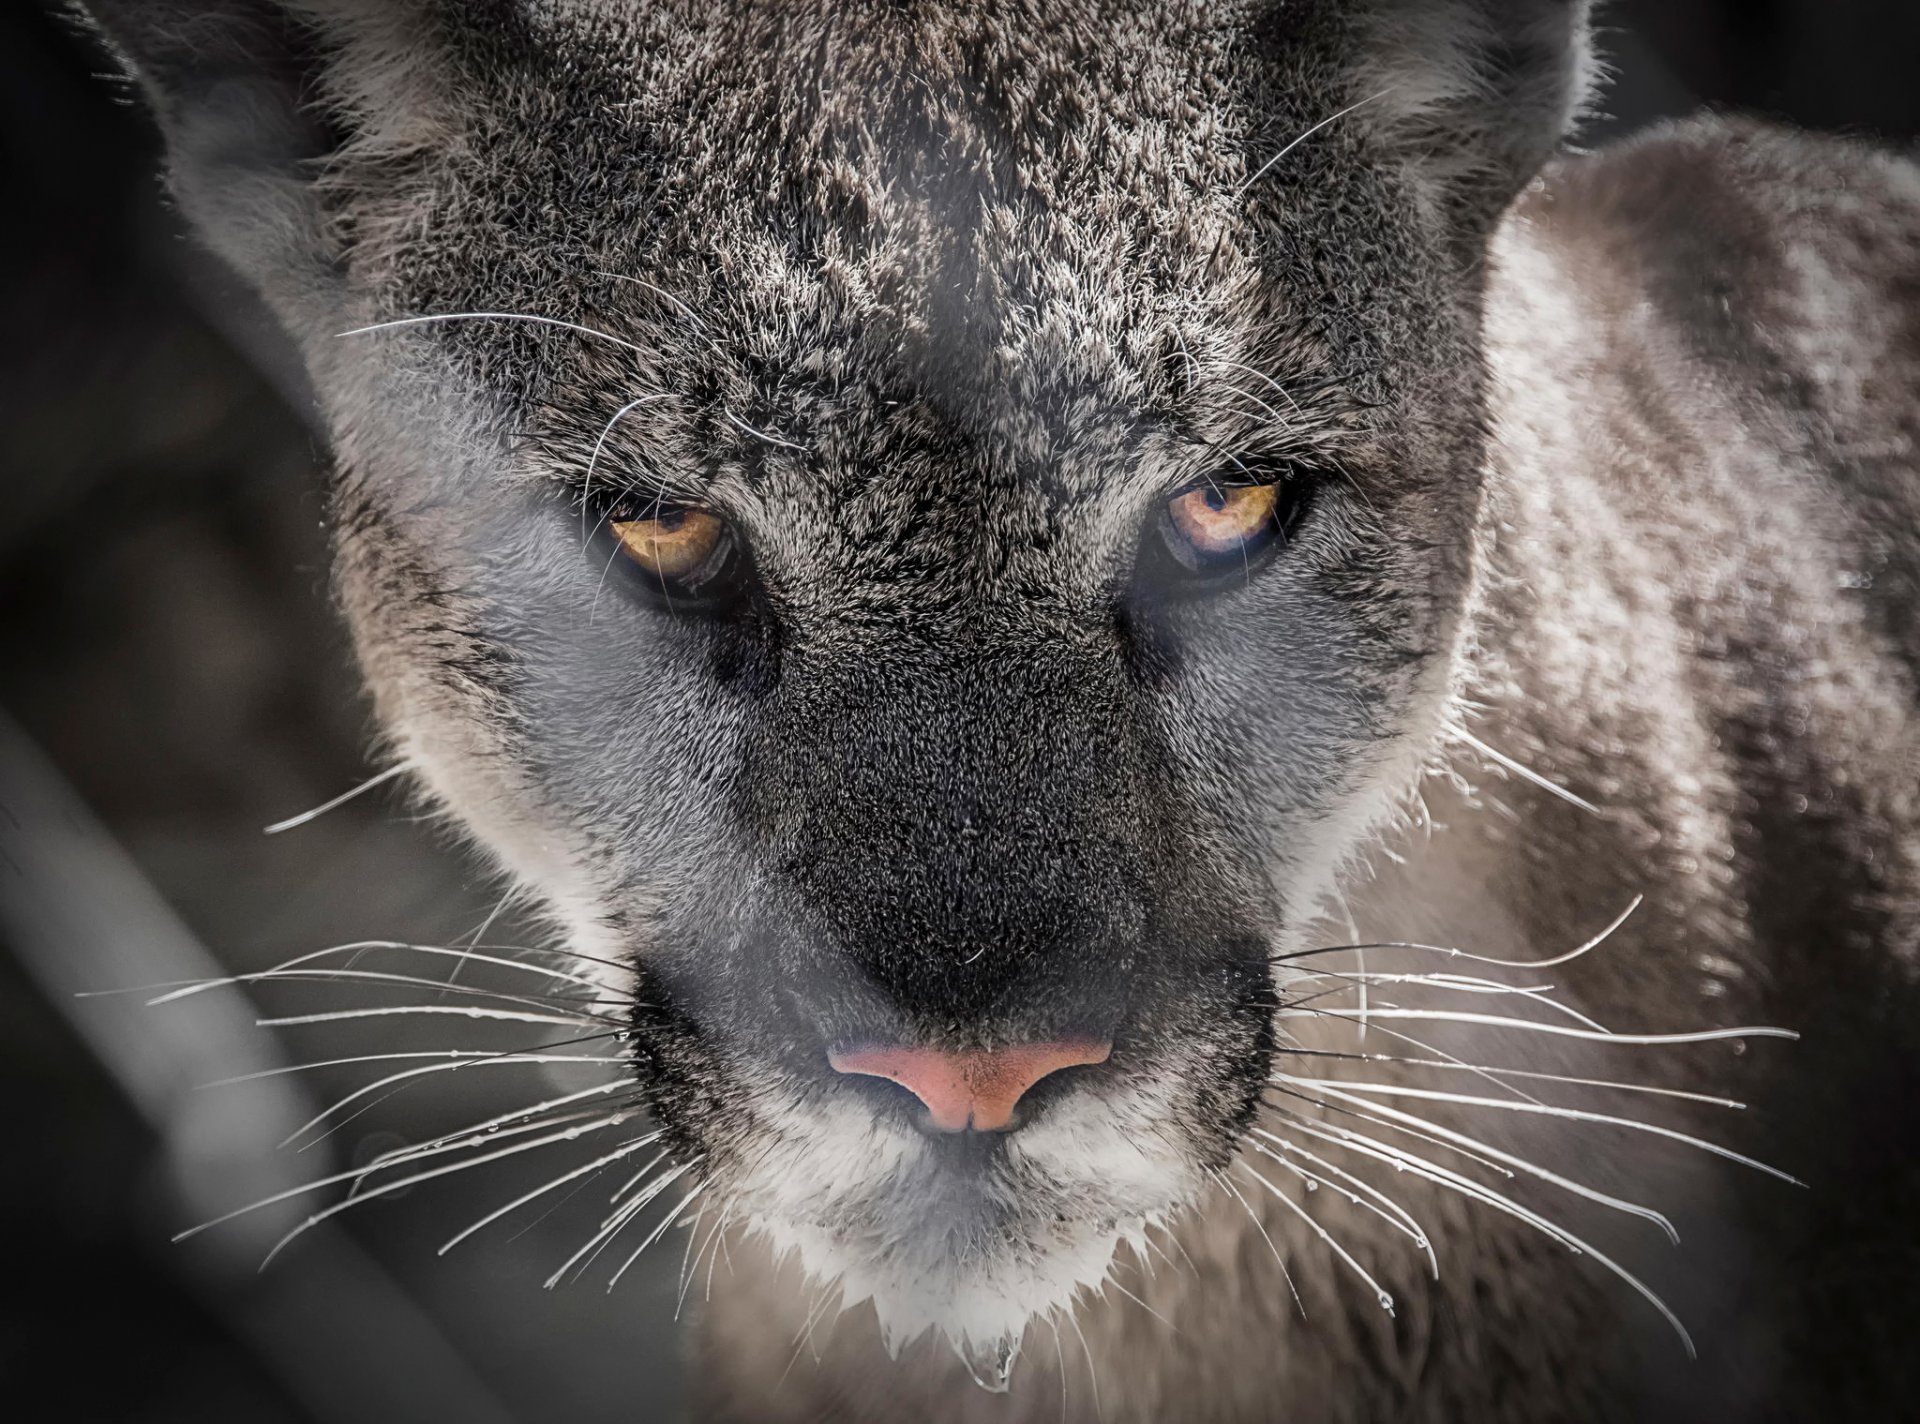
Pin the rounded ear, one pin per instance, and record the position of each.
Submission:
(1473, 96)
(254, 98)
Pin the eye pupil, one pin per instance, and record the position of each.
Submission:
(682, 550)
(1221, 527)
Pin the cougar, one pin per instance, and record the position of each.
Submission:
(1188, 710)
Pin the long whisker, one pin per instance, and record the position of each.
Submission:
(1260, 1226)
(1262, 170)
(1453, 953)
(660, 1226)
(288, 1195)
(1709, 1099)
(692, 316)
(503, 1015)
(474, 954)
(1459, 984)
(1315, 1182)
(1476, 1158)
(1711, 1035)
(406, 1075)
(596, 1165)
(417, 981)
(400, 1184)
(1380, 1293)
(573, 326)
(477, 1131)
(1408, 1223)
(593, 460)
(1526, 773)
(576, 1123)
(400, 768)
(1342, 1090)
(1379, 1113)
(1093, 1375)
(1473, 1190)
(441, 1054)
(1441, 1053)
(613, 1225)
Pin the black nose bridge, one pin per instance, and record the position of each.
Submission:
(973, 831)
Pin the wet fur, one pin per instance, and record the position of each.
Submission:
(1620, 483)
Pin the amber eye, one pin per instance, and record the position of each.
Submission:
(673, 543)
(686, 557)
(1221, 519)
(1216, 531)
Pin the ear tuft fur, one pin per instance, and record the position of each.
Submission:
(1474, 95)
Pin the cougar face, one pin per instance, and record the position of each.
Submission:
(926, 536)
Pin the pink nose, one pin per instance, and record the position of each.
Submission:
(978, 1088)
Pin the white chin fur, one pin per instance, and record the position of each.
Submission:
(1086, 1161)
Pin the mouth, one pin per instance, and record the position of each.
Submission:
(953, 1196)
(966, 1176)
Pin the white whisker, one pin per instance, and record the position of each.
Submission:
(1711, 1100)
(573, 326)
(1473, 1190)
(593, 460)
(440, 1054)
(598, 1164)
(1412, 1226)
(660, 1226)
(1458, 984)
(1263, 169)
(1711, 1035)
(408, 981)
(1316, 1182)
(400, 1184)
(292, 1192)
(1261, 1227)
(356, 948)
(1379, 1292)
(502, 1015)
(1455, 953)
(613, 1225)
(1343, 1089)
(1093, 1375)
(1386, 1116)
(379, 779)
(737, 422)
(409, 1074)
(1526, 773)
(477, 1130)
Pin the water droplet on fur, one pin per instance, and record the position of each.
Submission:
(991, 1365)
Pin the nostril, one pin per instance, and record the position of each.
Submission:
(977, 1088)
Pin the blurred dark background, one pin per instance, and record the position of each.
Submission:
(172, 679)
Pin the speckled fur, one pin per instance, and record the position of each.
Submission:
(938, 301)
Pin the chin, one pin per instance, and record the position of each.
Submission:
(971, 1237)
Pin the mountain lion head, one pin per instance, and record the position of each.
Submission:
(925, 535)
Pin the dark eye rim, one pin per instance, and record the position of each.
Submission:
(1182, 571)
(717, 585)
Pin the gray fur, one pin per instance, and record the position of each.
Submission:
(939, 303)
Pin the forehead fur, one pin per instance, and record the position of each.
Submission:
(1038, 218)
